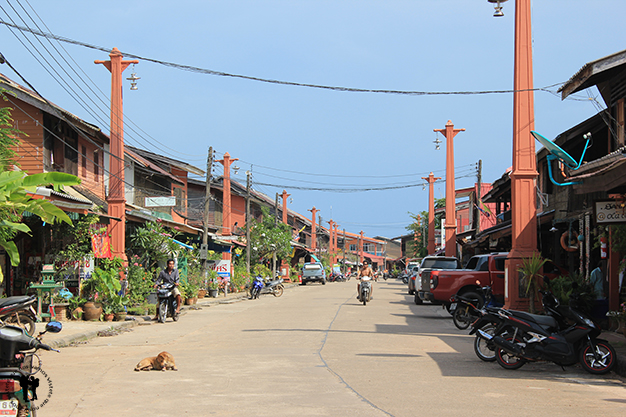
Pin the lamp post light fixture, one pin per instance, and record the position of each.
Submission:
(133, 79)
(498, 7)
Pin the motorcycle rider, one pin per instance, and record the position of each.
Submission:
(170, 276)
(365, 274)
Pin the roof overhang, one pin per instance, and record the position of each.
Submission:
(593, 73)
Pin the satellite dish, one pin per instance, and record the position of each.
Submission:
(556, 152)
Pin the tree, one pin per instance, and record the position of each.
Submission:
(14, 201)
(417, 248)
(267, 237)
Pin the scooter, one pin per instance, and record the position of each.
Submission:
(18, 310)
(491, 322)
(17, 368)
(167, 302)
(366, 291)
(260, 286)
(529, 341)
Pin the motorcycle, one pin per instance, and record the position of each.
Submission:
(528, 340)
(274, 287)
(19, 310)
(492, 323)
(17, 368)
(167, 302)
(336, 277)
(466, 310)
(366, 291)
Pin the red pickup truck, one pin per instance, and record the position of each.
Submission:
(487, 269)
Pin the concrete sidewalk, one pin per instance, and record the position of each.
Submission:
(75, 331)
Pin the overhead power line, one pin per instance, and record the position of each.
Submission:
(195, 69)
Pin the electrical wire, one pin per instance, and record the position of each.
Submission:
(267, 80)
(78, 99)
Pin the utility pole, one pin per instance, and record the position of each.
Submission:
(479, 192)
(343, 247)
(207, 207)
(248, 244)
(431, 212)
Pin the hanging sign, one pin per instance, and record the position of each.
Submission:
(160, 201)
(609, 211)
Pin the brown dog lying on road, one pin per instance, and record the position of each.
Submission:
(161, 362)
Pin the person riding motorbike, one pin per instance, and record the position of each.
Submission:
(170, 276)
(365, 274)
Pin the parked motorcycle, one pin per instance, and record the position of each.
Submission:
(466, 310)
(167, 302)
(528, 340)
(336, 277)
(492, 323)
(366, 291)
(18, 365)
(18, 310)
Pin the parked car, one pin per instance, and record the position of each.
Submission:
(313, 272)
(430, 263)
(481, 270)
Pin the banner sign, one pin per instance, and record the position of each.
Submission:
(222, 267)
(160, 201)
(609, 211)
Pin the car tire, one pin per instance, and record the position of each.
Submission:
(418, 301)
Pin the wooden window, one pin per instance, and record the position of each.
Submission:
(83, 156)
(96, 165)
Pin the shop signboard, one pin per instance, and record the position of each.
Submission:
(609, 211)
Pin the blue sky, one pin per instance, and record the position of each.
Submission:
(296, 136)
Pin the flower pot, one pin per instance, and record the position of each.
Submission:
(121, 316)
(201, 293)
(109, 317)
(191, 301)
(60, 311)
(213, 293)
(92, 311)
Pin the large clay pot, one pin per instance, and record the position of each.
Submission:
(109, 317)
(60, 311)
(92, 311)
(191, 301)
(201, 293)
(120, 316)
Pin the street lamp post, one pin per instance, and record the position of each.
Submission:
(313, 229)
(226, 205)
(524, 172)
(450, 225)
(116, 197)
(431, 212)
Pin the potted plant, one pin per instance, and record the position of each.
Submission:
(60, 307)
(213, 288)
(76, 307)
(530, 269)
(620, 317)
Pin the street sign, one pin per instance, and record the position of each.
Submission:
(609, 211)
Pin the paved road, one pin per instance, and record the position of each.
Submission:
(314, 352)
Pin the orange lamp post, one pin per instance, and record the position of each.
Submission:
(313, 229)
(431, 211)
(284, 196)
(284, 265)
(336, 226)
(331, 241)
(116, 198)
(361, 247)
(524, 172)
(226, 205)
(450, 226)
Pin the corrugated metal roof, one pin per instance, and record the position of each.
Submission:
(589, 74)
